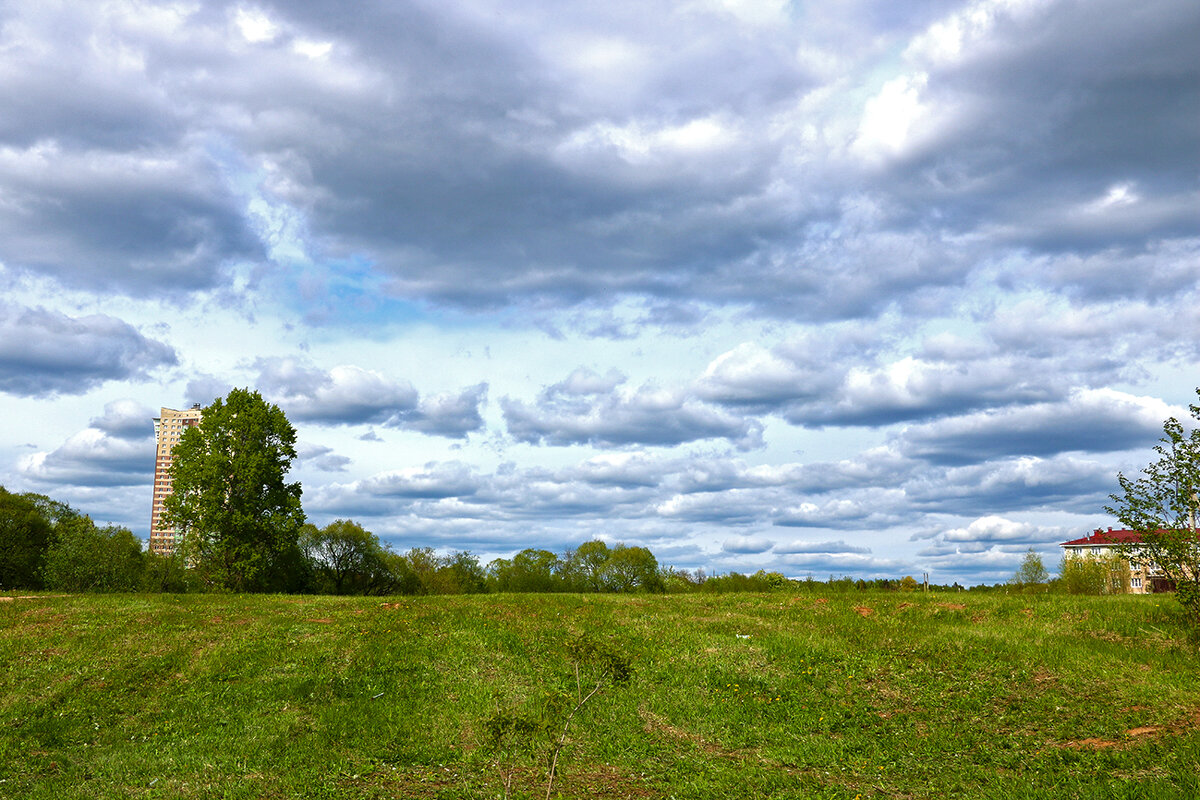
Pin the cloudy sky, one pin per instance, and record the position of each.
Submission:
(836, 287)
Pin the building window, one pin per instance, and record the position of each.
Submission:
(1135, 583)
(1096, 550)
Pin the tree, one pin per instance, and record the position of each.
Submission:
(240, 519)
(346, 558)
(1093, 574)
(586, 566)
(1161, 505)
(85, 558)
(462, 571)
(26, 532)
(1032, 571)
(528, 571)
(632, 568)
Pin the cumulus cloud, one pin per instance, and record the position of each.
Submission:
(605, 416)
(44, 352)
(1061, 483)
(321, 458)
(350, 395)
(93, 457)
(876, 508)
(836, 384)
(747, 545)
(1091, 421)
(799, 547)
(125, 419)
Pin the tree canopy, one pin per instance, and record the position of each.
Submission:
(346, 559)
(239, 517)
(1163, 505)
(26, 532)
(1032, 570)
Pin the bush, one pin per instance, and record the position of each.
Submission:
(84, 558)
(1092, 574)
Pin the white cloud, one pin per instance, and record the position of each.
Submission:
(255, 26)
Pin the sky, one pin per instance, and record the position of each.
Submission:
(845, 287)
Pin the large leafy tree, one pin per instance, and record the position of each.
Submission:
(239, 517)
(1163, 505)
(346, 559)
(26, 532)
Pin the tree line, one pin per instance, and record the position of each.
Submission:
(242, 528)
(47, 544)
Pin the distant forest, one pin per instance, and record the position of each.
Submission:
(48, 545)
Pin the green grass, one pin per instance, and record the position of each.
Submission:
(733, 696)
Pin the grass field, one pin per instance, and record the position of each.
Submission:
(781, 695)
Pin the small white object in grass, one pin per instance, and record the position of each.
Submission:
(742, 635)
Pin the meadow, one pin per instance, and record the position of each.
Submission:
(783, 695)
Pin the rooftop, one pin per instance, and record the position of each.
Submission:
(1101, 537)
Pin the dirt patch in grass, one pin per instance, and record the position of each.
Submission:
(864, 611)
(952, 606)
(421, 783)
(1133, 734)
(655, 724)
(1143, 731)
(1092, 743)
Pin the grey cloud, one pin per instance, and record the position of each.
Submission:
(93, 458)
(818, 565)
(583, 381)
(350, 395)
(869, 509)
(1159, 272)
(1061, 483)
(985, 533)
(448, 414)
(817, 548)
(648, 416)
(1092, 421)
(204, 389)
(322, 458)
(1105, 99)
(125, 419)
(432, 481)
(45, 352)
(137, 223)
(575, 159)
(732, 507)
(625, 470)
(836, 385)
(747, 545)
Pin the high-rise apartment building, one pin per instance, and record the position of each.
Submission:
(168, 427)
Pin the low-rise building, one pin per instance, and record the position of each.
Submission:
(1144, 576)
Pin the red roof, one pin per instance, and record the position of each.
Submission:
(1099, 537)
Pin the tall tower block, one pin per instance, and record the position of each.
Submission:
(168, 427)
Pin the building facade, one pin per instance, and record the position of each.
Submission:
(168, 427)
(1144, 577)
